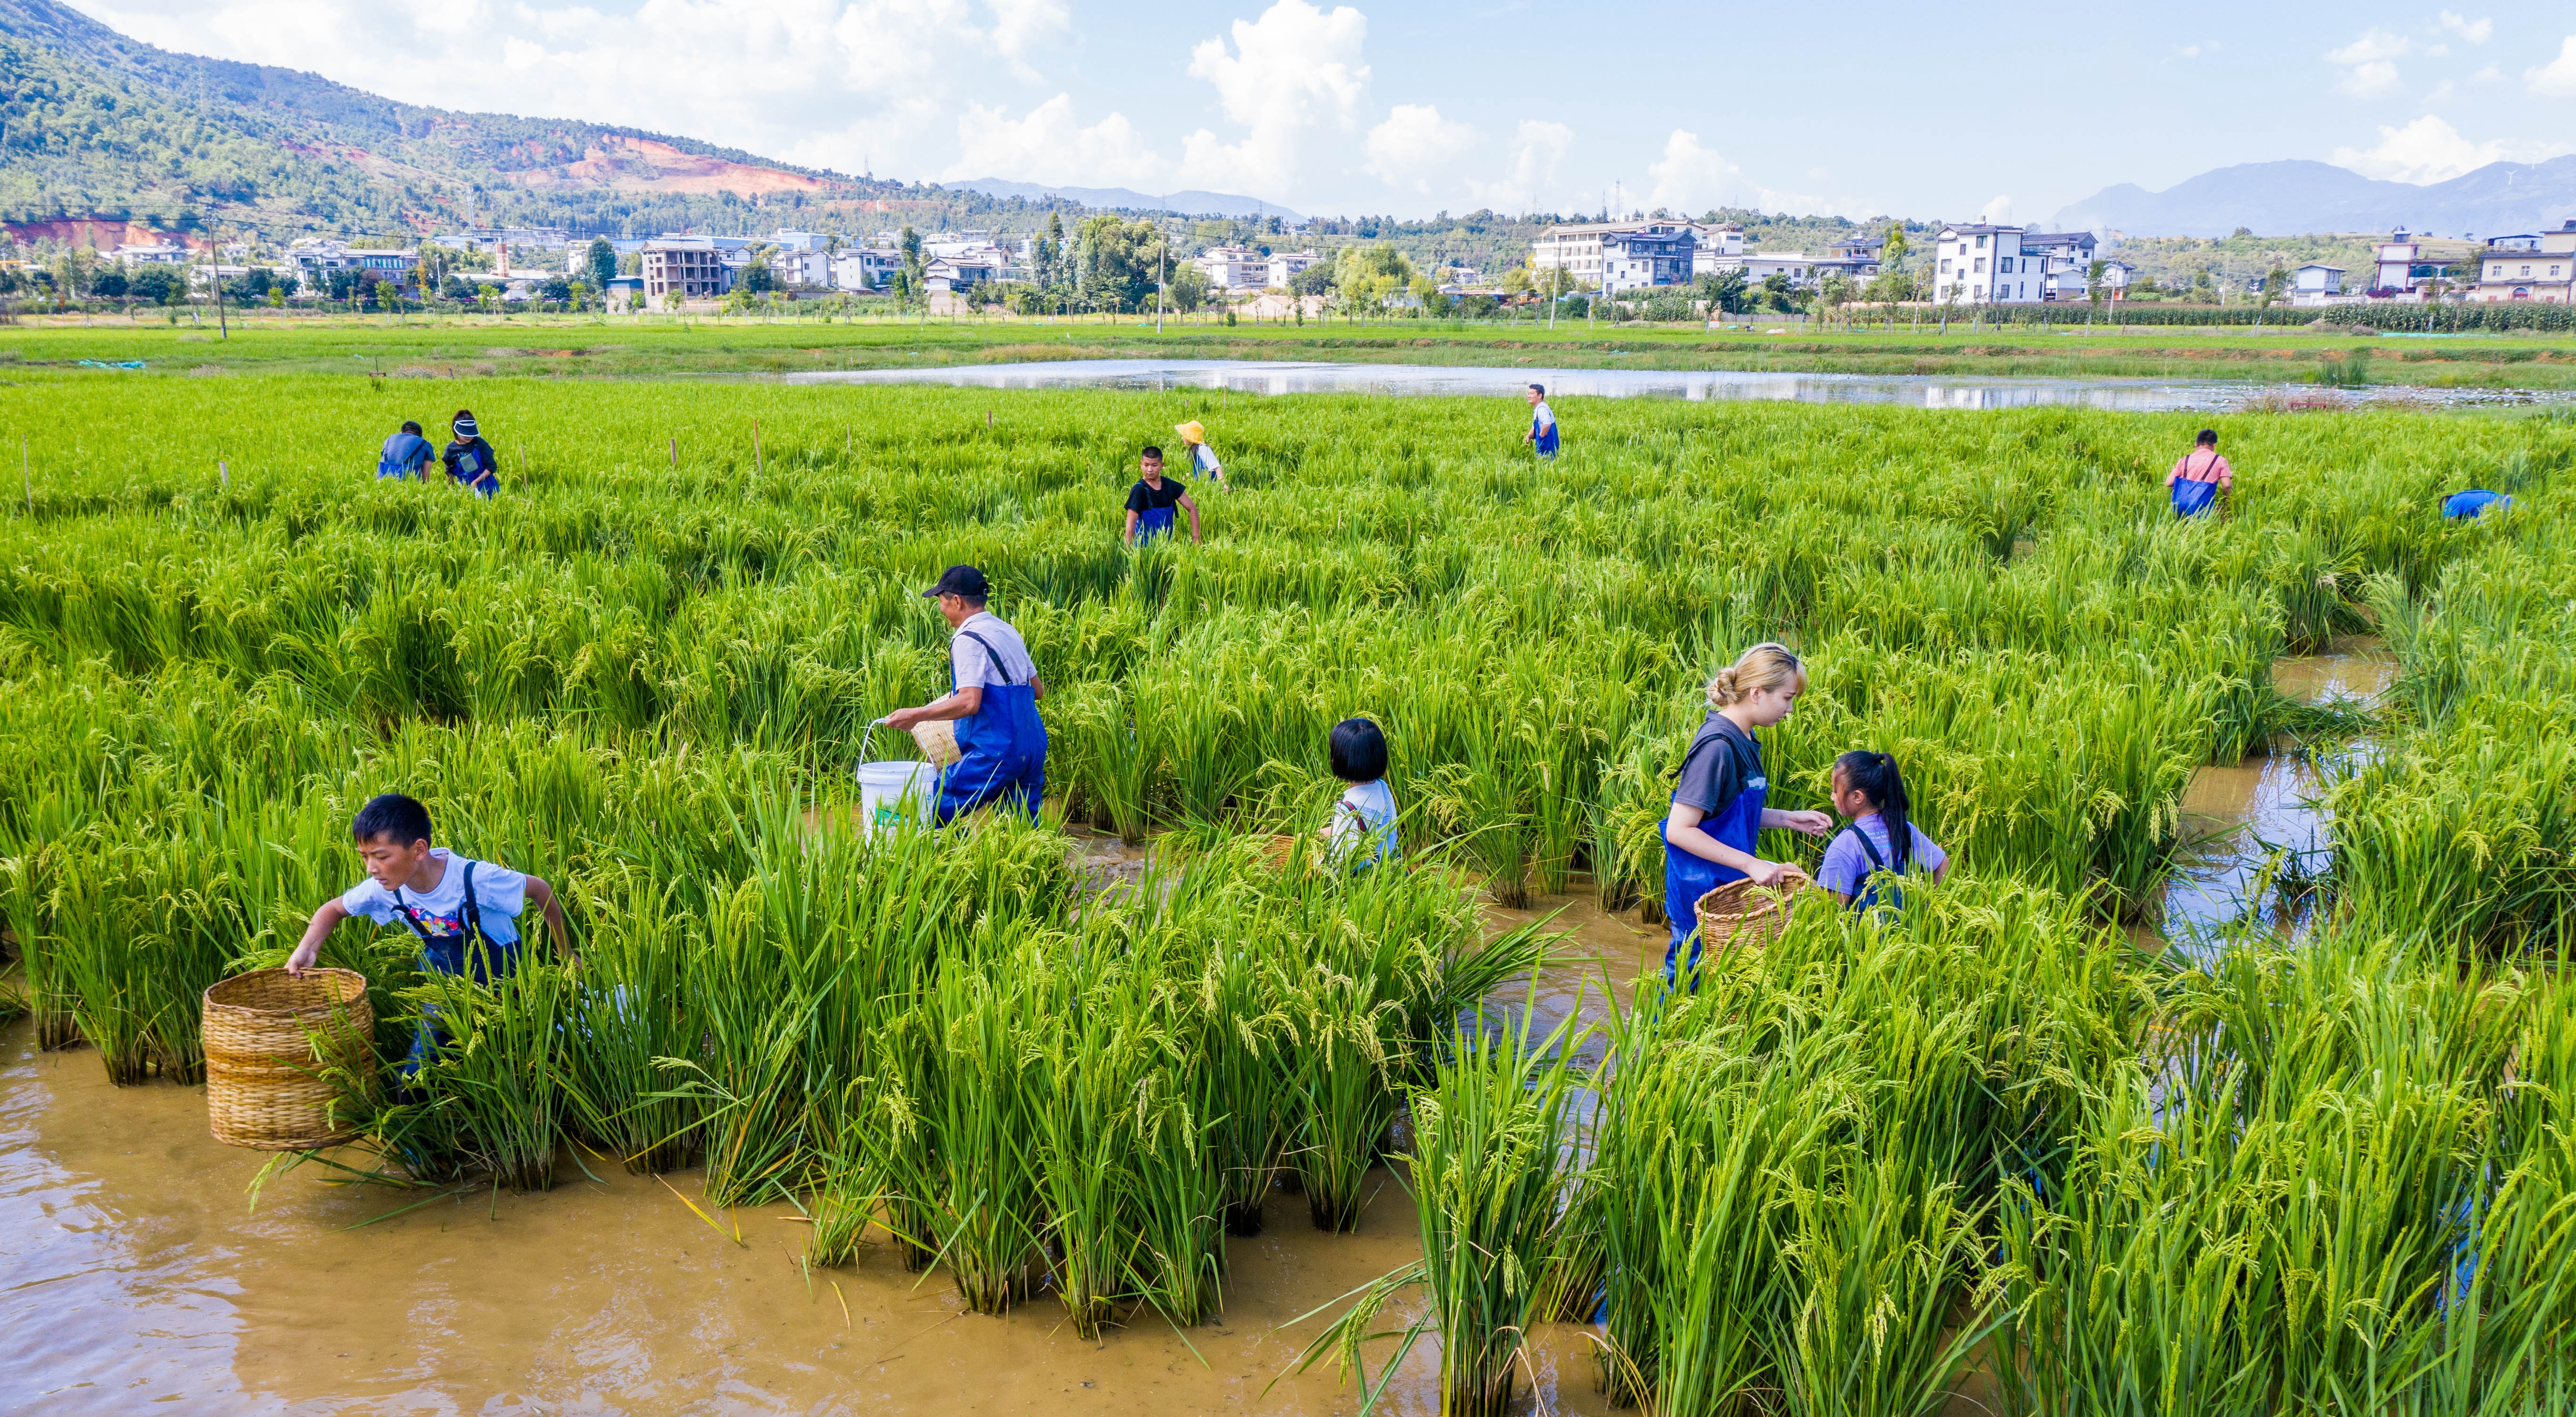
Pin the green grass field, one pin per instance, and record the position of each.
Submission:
(557, 346)
(2334, 1171)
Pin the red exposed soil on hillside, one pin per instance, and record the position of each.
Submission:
(642, 165)
(104, 233)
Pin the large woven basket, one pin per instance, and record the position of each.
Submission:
(265, 1087)
(1741, 913)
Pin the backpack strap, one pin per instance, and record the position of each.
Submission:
(1877, 863)
(991, 656)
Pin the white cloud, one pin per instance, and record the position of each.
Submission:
(2443, 92)
(2194, 51)
(1538, 149)
(2369, 80)
(1051, 145)
(2431, 150)
(2557, 78)
(1691, 177)
(2474, 31)
(2374, 44)
(1414, 145)
(1293, 70)
(1017, 24)
(2488, 75)
(1998, 210)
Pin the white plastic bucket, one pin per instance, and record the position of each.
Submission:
(891, 794)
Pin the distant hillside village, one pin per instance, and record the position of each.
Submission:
(1657, 266)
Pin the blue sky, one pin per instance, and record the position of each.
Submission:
(1859, 108)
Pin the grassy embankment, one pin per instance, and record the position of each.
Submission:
(574, 346)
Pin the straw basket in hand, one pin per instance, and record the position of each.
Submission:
(937, 740)
(1742, 913)
(269, 1037)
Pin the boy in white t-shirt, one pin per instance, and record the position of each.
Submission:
(465, 912)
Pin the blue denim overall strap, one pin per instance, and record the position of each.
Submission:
(1153, 522)
(1544, 437)
(473, 954)
(1867, 895)
(2191, 499)
(1688, 877)
(1002, 746)
(483, 476)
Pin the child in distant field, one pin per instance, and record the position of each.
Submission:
(2199, 476)
(1542, 429)
(465, 912)
(1202, 457)
(1881, 841)
(405, 454)
(1362, 832)
(469, 459)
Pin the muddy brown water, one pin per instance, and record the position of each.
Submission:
(133, 1274)
(132, 1271)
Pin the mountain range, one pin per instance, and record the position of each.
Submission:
(104, 138)
(1193, 201)
(2284, 198)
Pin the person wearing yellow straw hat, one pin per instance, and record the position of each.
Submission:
(1202, 457)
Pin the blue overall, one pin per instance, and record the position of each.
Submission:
(475, 468)
(2191, 499)
(1153, 522)
(1543, 436)
(1687, 877)
(1003, 746)
(403, 455)
(1868, 894)
(2460, 506)
(474, 954)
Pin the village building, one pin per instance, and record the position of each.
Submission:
(1981, 264)
(2316, 284)
(1285, 266)
(691, 267)
(2528, 267)
(1234, 267)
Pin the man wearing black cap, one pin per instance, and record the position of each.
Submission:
(993, 699)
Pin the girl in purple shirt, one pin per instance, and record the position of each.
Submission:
(1880, 839)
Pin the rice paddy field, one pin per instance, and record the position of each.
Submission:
(983, 1125)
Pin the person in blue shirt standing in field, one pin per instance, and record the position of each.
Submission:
(1542, 429)
(1362, 832)
(405, 454)
(465, 912)
(469, 459)
(1718, 809)
(1880, 845)
(1151, 501)
(993, 700)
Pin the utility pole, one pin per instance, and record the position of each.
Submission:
(1162, 259)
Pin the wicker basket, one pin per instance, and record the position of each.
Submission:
(937, 740)
(1741, 913)
(264, 1087)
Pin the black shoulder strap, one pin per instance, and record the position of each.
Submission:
(992, 654)
(1868, 848)
(474, 911)
(411, 919)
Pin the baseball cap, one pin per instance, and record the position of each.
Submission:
(959, 580)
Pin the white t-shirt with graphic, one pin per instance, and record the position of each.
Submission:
(499, 895)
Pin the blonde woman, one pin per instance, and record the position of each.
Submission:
(1718, 813)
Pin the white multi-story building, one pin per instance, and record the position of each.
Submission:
(2064, 257)
(802, 269)
(864, 267)
(1720, 248)
(1234, 267)
(1622, 255)
(1797, 267)
(2316, 284)
(1285, 266)
(1985, 265)
(2528, 267)
(693, 268)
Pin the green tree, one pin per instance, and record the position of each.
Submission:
(1115, 262)
(602, 263)
(1368, 275)
(1188, 289)
(2093, 287)
(1726, 292)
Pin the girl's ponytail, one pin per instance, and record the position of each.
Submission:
(1875, 776)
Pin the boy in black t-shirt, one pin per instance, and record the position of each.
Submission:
(1151, 500)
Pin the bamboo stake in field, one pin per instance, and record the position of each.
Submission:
(757, 467)
(675, 452)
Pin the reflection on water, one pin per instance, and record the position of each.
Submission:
(1261, 376)
(2259, 819)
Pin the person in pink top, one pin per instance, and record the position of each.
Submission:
(2200, 475)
